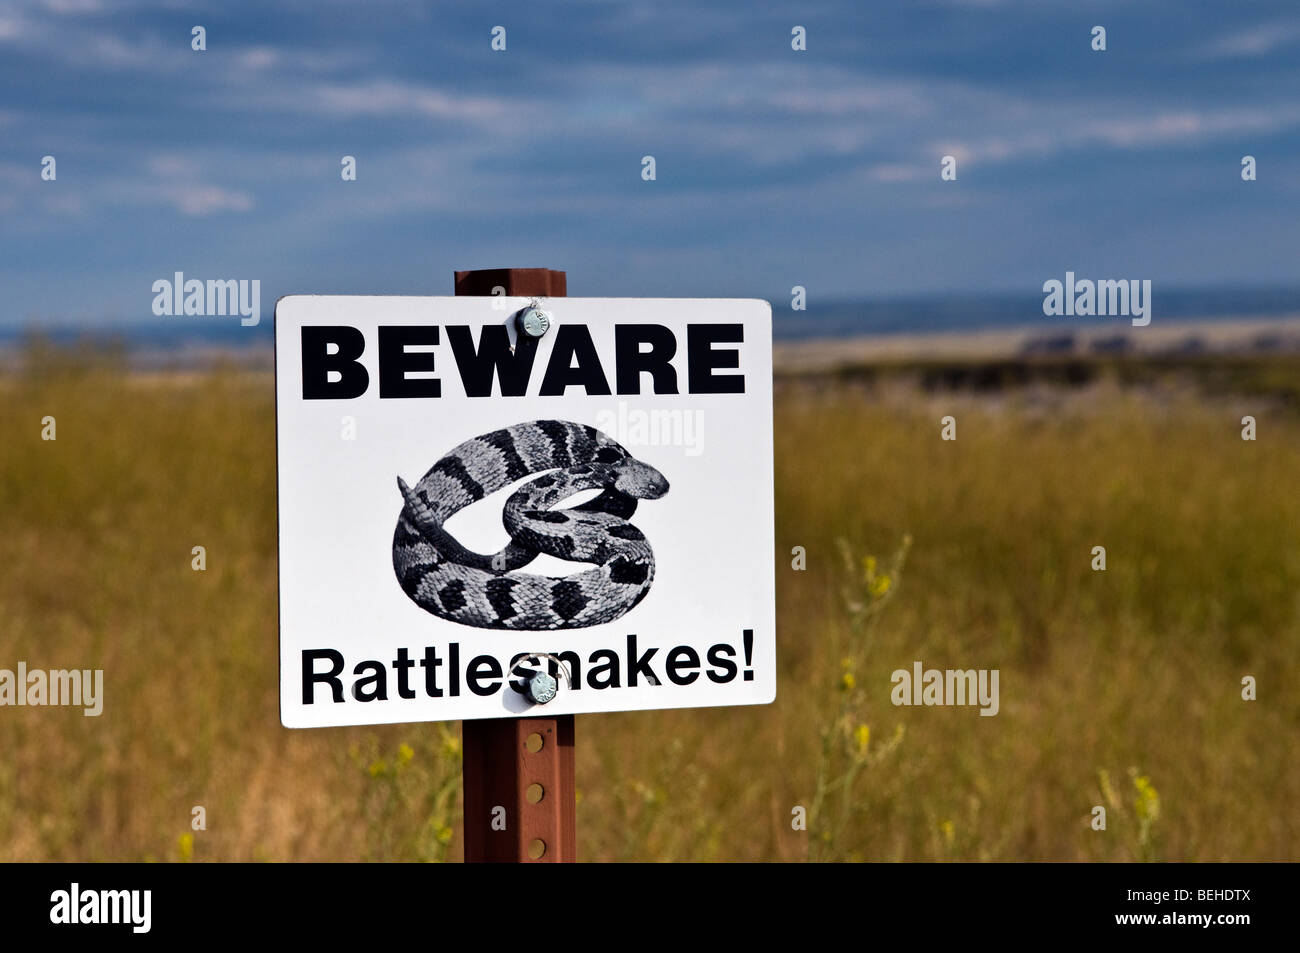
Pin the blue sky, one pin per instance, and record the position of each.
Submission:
(774, 167)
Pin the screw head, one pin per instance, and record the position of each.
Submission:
(534, 322)
(542, 688)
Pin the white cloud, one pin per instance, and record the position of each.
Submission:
(1258, 40)
(1184, 127)
(257, 57)
(900, 172)
(202, 200)
(178, 180)
(378, 98)
(73, 6)
(391, 98)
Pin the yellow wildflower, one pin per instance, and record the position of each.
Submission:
(862, 734)
(948, 832)
(1147, 804)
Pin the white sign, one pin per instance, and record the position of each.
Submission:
(466, 507)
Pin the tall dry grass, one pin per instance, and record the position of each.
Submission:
(1119, 688)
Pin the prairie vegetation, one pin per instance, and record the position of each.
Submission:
(1119, 688)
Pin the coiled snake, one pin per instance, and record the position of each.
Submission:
(450, 581)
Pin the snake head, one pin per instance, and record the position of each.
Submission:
(639, 480)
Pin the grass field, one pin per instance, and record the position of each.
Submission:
(1119, 688)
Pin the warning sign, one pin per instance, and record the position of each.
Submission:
(493, 506)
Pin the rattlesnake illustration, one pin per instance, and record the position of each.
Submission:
(450, 581)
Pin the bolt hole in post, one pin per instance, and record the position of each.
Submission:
(537, 849)
(535, 792)
(533, 743)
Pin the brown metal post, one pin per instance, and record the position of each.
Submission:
(500, 767)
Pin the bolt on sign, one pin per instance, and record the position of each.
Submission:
(496, 506)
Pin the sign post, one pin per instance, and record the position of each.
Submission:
(502, 761)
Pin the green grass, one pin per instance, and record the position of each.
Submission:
(1105, 677)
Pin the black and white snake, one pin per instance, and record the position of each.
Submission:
(450, 581)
